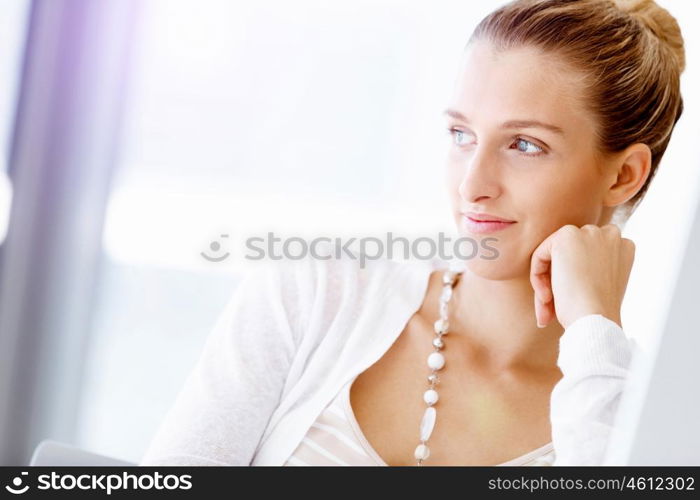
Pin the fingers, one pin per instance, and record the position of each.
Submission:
(540, 279)
(613, 229)
(541, 283)
(544, 313)
(541, 275)
(540, 266)
(596, 255)
(540, 313)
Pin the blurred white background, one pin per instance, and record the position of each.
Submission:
(303, 118)
(13, 20)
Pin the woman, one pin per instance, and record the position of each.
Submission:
(559, 117)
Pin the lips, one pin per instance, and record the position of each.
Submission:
(485, 223)
(484, 217)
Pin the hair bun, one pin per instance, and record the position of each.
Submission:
(660, 22)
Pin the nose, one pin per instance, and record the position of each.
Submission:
(480, 178)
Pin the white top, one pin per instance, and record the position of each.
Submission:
(335, 438)
(294, 332)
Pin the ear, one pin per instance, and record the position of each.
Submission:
(628, 173)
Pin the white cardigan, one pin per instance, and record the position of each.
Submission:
(295, 332)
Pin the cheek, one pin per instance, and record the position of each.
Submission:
(575, 198)
(543, 202)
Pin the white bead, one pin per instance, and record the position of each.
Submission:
(446, 294)
(436, 360)
(422, 452)
(427, 423)
(448, 277)
(438, 343)
(443, 310)
(441, 326)
(430, 396)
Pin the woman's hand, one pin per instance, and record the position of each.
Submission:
(580, 271)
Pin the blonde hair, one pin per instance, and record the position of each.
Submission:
(630, 53)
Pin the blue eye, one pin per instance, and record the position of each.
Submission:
(456, 134)
(527, 148)
(531, 149)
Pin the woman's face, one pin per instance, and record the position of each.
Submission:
(538, 176)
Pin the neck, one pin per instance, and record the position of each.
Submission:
(496, 318)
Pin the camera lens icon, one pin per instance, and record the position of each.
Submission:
(16, 488)
(215, 246)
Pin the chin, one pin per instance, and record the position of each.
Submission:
(507, 264)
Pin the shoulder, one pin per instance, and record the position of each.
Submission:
(316, 289)
(328, 271)
(332, 278)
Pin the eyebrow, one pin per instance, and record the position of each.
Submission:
(511, 123)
